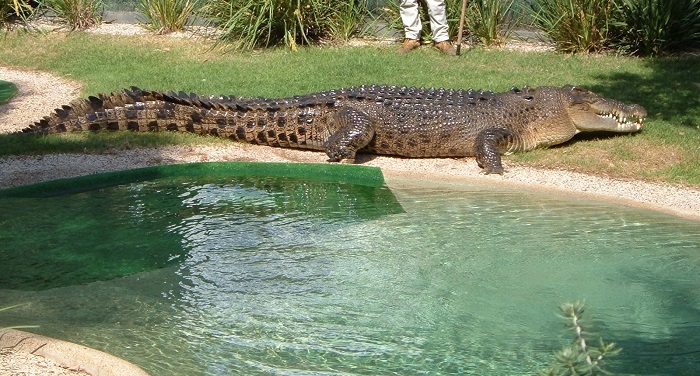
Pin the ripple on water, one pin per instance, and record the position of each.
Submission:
(272, 278)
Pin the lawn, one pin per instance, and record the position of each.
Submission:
(668, 148)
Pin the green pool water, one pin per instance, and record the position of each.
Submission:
(299, 273)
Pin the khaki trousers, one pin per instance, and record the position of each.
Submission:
(410, 16)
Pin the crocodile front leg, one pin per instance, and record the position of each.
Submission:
(488, 143)
(355, 131)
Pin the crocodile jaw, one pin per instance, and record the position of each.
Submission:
(622, 125)
(607, 115)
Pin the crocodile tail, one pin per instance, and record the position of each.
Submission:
(129, 109)
(94, 113)
(284, 122)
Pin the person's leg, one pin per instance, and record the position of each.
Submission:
(438, 24)
(410, 16)
(438, 20)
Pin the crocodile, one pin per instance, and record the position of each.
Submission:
(387, 120)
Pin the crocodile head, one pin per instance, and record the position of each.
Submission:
(590, 112)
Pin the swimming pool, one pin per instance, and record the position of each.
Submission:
(295, 275)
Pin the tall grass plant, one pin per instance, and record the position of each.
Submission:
(347, 19)
(77, 14)
(656, 27)
(167, 16)
(491, 21)
(575, 25)
(249, 24)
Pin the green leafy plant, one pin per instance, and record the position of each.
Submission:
(574, 25)
(346, 19)
(491, 21)
(166, 16)
(250, 24)
(653, 27)
(579, 358)
(15, 9)
(77, 14)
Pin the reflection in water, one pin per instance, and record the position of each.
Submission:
(105, 234)
(296, 278)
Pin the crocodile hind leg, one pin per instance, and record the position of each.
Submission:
(489, 142)
(355, 131)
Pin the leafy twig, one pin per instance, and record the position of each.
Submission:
(579, 358)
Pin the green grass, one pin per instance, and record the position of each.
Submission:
(7, 91)
(668, 148)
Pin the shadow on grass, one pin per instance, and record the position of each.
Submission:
(670, 92)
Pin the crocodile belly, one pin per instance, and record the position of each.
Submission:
(420, 145)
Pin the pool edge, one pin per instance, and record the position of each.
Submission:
(349, 173)
(68, 354)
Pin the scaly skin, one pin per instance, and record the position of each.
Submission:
(388, 120)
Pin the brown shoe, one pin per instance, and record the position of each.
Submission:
(409, 45)
(446, 48)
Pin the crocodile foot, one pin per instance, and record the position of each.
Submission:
(488, 155)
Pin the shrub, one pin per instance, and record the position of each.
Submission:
(15, 9)
(77, 14)
(166, 16)
(490, 20)
(261, 23)
(574, 25)
(346, 19)
(652, 27)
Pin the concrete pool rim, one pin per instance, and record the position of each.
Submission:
(69, 355)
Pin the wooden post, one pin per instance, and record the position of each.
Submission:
(461, 26)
